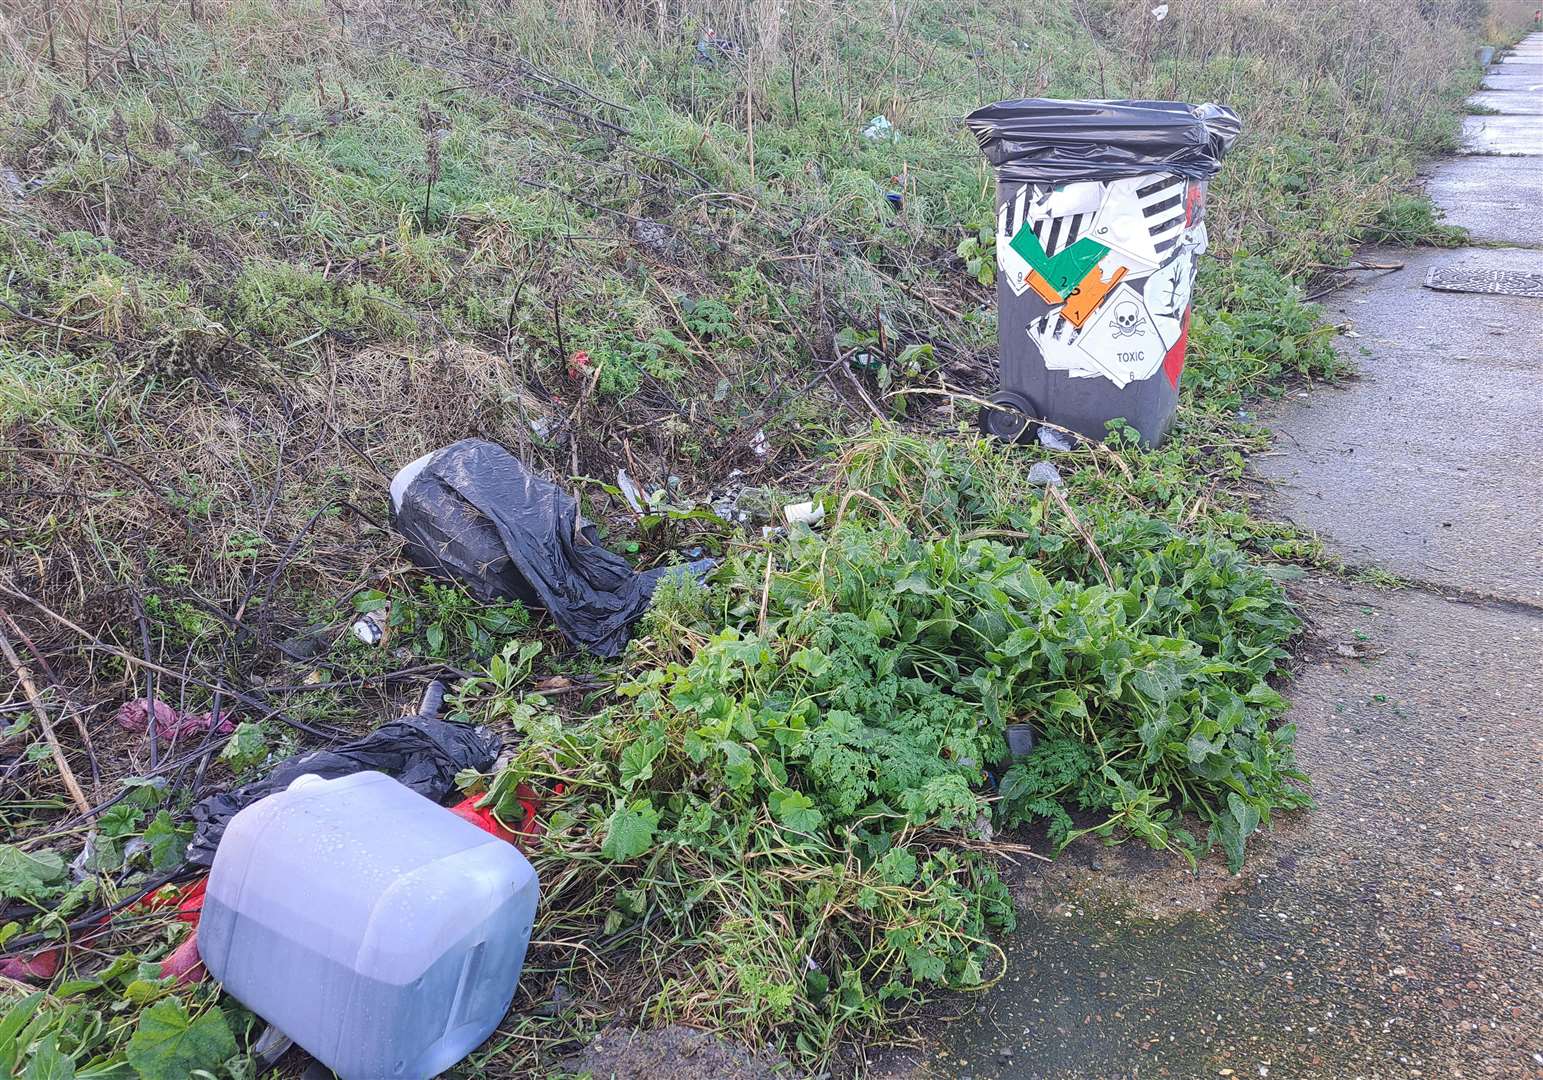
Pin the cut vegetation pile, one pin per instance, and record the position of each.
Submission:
(257, 255)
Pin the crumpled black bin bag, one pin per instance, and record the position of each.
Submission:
(420, 752)
(476, 514)
(1048, 141)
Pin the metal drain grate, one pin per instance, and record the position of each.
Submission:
(1471, 279)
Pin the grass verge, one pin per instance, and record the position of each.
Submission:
(257, 255)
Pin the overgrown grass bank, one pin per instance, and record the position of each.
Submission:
(256, 255)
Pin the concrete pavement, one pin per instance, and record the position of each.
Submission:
(1431, 463)
(1499, 200)
(1519, 78)
(1511, 101)
(1505, 133)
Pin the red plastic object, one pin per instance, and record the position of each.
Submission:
(187, 899)
(184, 964)
(190, 903)
(1173, 362)
(169, 723)
(529, 827)
(1194, 202)
(39, 966)
(483, 819)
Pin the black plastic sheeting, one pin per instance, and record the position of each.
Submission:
(1038, 140)
(423, 753)
(478, 515)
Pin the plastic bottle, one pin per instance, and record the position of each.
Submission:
(378, 930)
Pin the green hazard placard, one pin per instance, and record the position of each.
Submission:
(1066, 267)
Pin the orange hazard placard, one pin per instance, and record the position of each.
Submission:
(1088, 294)
(1046, 291)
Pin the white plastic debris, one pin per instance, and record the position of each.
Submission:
(1054, 439)
(726, 505)
(371, 627)
(271, 1045)
(84, 864)
(1160, 12)
(880, 128)
(383, 933)
(1044, 474)
(405, 476)
(630, 491)
(1066, 200)
(804, 513)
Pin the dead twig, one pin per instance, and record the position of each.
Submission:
(1356, 266)
(95, 642)
(765, 593)
(851, 377)
(74, 711)
(701, 350)
(20, 314)
(1087, 537)
(152, 729)
(399, 675)
(554, 189)
(1093, 444)
(30, 689)
(1336, 284)
(859, 493)
(106, 459)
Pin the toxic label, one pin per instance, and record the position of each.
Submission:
(1121, 340)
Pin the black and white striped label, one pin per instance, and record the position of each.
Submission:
(1058, 218)
(1142, 218)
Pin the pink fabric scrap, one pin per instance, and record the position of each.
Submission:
(39, 967)
(169, 723)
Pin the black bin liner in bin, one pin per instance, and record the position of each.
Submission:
(476, 514)
(1038, 140)
(1100, 221)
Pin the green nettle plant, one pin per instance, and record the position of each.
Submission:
(979, 252)
(799, 787)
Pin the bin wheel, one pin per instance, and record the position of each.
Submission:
(1010, 419)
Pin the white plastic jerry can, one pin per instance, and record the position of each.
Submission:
(379, 931)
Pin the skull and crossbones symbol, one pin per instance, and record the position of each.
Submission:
(1127, 320)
